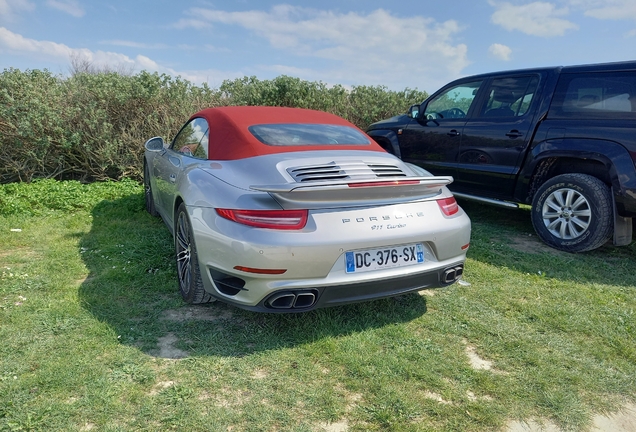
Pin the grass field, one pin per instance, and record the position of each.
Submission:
(95, 336)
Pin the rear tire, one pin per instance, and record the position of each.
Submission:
(149, 200)
(573, 212)
(188, 273)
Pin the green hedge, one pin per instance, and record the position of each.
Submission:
(92, 126)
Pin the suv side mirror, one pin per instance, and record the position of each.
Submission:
(414, 111)
(154, 144)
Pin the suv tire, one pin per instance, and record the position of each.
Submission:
(573, 212)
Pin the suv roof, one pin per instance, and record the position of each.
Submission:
(597, 67)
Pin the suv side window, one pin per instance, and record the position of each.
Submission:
(192, 139)
(596, 95)
(454, 103)
(510, 96)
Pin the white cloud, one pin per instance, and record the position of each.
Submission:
(13, 43)
(9, 8)
(607, 9)
(376, 47)
(17, 44)
(535, 19)
(71, 7)
(190, 23)
(132, 44)
(499, 51)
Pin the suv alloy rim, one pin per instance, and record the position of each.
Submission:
(566, 214)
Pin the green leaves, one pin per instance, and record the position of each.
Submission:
(92, 126)
(43, 196)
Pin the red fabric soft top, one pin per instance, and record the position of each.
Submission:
(230, 139)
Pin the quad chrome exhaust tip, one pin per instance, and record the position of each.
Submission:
(453, 274)
(292, 300)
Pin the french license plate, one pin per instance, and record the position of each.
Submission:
(381, 258)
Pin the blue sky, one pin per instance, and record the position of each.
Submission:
(416, 44)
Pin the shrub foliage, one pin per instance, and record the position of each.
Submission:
(92, 125)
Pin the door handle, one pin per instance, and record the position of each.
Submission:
(453, 133)
(514, 134)
(173, 178)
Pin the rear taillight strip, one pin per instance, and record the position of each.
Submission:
(270, 219)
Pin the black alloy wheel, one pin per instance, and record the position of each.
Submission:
(190, 284)
(149, 200)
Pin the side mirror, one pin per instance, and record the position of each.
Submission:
(154, 144)
(414, 111)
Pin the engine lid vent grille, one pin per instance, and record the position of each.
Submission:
(355, 170)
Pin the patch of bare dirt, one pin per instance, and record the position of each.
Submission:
(196, 313)
(167, 350)
(530, 243)
(157, 388)
(436, 397)
(259, 374)
(473, 397)
(341, 426)
(229, 397)
(622, 421)
(477, 362)
(20, 253)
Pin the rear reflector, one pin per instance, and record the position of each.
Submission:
(272, 219)
(448, 205)
(384, 183)
(260, 271)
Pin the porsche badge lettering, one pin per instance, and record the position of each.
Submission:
(396, 216)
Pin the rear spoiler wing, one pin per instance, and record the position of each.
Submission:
(354, 193)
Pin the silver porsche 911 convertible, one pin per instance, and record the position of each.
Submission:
(287, 210)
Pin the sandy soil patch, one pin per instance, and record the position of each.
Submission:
(476, 362)
(167, 350)
(196, 313)
(530, 243)
(341, 426)
(621, 421)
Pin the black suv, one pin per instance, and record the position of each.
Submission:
(562, 139)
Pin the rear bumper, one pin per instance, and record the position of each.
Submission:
(311, 263)
(303, 300)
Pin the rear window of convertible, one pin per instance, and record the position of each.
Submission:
(292, 134)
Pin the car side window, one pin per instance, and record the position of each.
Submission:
(596, 95)
(192, 139)
(453, 103)
(510, 96)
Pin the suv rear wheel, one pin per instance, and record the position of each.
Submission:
(573, 212)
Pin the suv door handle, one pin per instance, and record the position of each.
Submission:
(514, 134)
(453, 133)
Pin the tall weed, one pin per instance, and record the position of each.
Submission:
(92, 125)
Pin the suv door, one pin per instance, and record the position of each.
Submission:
(432, 140)
(495, 137)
